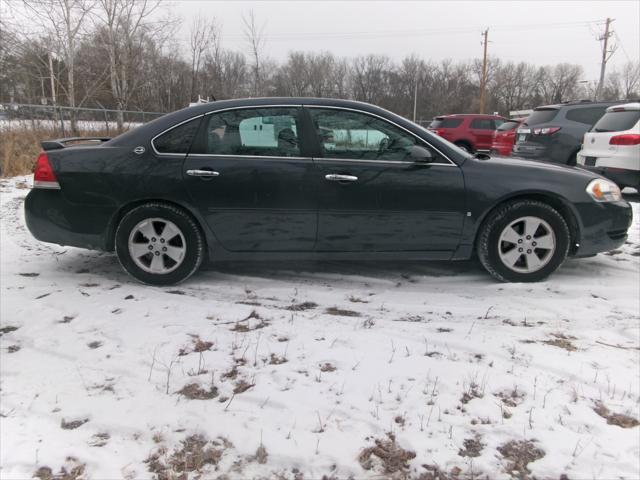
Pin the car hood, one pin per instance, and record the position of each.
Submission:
(537, 166)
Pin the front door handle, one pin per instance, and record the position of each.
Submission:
(202, 173)
(333, 177)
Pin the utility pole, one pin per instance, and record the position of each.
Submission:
(606, 55)
(483, 81)
(415, 98)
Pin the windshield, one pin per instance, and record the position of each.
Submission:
(542, 115)
(509, 125)
(617, 121)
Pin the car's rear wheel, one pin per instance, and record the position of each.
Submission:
(159, 244)
(523, 241)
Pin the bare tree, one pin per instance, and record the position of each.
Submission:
(203, 37)
(65, 20)
(125, 26)
(254, 35)
(630, 78)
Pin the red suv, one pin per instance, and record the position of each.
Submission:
(504, 137)
(471, 132)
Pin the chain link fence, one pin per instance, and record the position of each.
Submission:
(61, 119)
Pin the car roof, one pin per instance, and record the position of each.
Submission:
(624, 107)
(491, 115)
(577, 103)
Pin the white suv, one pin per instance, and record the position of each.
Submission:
(612, 146)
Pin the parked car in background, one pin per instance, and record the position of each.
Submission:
(554, 132)
(612, 146)
(504, 137)
(470, 132)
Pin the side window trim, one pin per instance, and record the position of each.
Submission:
(165, 154)
(399, 162)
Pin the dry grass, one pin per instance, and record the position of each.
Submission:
(301, 307)
(519, 454)
(193, 391)
(340, 312)
(194, 455)
(19, 147)
(73, 470)
(561, 340)
(73, 424)
(472, 447)
(618, 419)
(387, 457)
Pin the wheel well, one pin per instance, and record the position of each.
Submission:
(464, 142)
(556, 203)
(113, 225)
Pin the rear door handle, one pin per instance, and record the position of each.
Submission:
(202, 173)
(333, 177)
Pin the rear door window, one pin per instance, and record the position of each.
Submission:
(265, 132)
(588, 116)
(617, 121)
(446, 123)
(542, 115)
(482, 124)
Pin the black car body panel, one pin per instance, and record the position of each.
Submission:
(271, 208)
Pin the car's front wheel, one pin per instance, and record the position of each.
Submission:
(159, 244)
(523, 241)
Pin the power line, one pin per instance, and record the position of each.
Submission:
(421, 32)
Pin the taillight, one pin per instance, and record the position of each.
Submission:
(43, 176)
(545, 130)
(625, 139)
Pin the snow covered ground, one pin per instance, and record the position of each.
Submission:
(306, 370)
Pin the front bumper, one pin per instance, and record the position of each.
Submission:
(621, 176)
(51, 218)
(604, 226)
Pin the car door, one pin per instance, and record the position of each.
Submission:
(248, 175)
(373, 196)
(482, 130)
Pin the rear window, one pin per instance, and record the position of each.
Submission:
(542, 115)
(177, 140)
(588, 116)
(617, 121)
(509, 125)
(446, 123)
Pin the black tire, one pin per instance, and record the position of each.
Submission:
(464, 146)
(193, 238)
(488, 244)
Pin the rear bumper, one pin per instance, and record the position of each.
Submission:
(604, 226)
(552, 152)
(52, 218)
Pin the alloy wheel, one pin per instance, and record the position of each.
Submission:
(527, 244)
(157, 246)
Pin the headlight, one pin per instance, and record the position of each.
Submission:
(602, 190)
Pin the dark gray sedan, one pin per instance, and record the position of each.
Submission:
(303, 178)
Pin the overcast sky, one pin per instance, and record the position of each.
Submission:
(537, 32)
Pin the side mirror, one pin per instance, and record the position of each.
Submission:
(421, 154)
